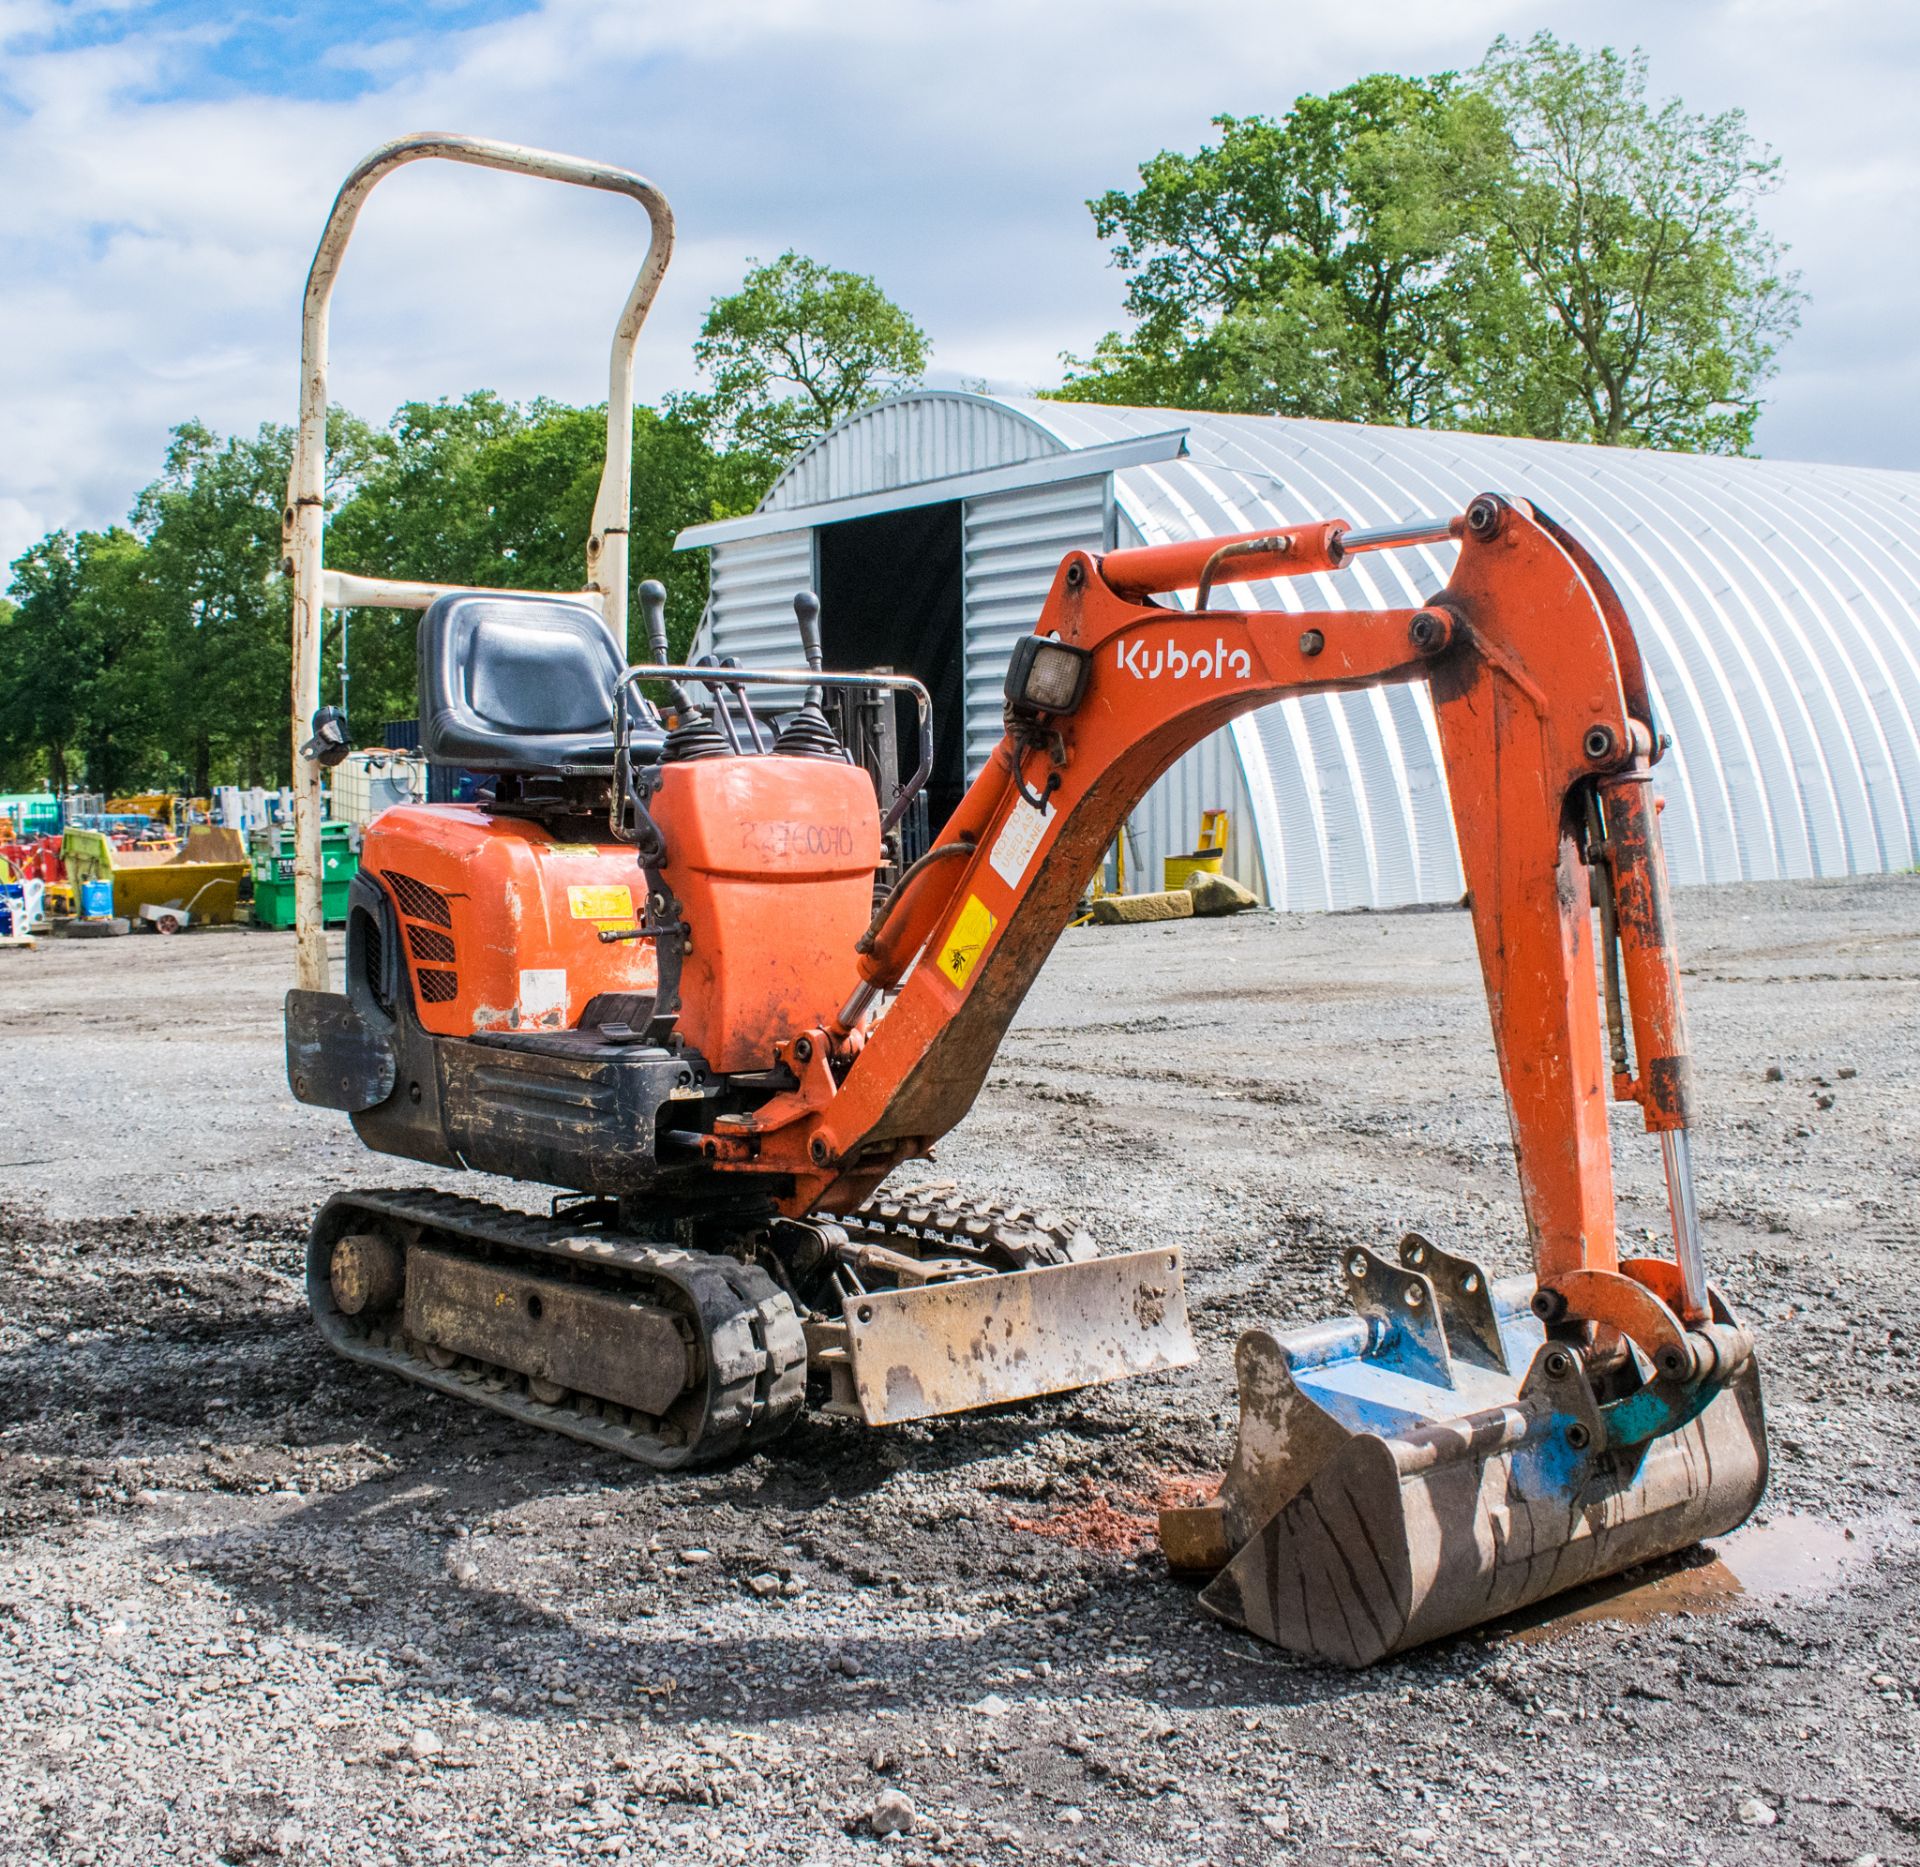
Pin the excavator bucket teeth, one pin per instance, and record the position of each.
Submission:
(1434, 1462)
(978, 1341)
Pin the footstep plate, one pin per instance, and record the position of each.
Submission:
(980, 1341)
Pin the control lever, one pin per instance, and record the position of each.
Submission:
(806, 609)
(807, 734)
(653, 606)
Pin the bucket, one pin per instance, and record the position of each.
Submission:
(1434, 1461)
(96, 900)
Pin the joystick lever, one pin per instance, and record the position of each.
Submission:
(806, 609)
(807, 734)
(653, 606)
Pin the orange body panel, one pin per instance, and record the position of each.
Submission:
(501, 923)
(772, 861)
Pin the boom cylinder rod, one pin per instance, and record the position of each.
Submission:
(1291, 551)
(1392, 537)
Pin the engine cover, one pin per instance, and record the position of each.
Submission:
(500, 923)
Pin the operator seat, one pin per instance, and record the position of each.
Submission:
(521, 684)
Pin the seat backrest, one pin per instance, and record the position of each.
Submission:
(516, 683)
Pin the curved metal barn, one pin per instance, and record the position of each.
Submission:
(1778, 606)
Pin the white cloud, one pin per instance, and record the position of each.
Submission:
(155, 245)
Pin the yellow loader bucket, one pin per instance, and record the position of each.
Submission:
(1435, 1461)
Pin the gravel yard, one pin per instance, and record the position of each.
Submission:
(257, 1605)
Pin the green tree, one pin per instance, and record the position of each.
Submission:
(22, 765)
(46, 670)
(797, 348)
(211, 524)
(1659, 301)
(1336, 263)
(1532, 249)
(412, 514)
(77, 699)
(119, 614)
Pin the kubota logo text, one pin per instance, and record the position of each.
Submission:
(1175, 664)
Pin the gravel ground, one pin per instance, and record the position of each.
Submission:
(255, 1605)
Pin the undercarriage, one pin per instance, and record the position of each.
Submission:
(672, 1356)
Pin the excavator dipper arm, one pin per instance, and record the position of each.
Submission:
(1547, 737)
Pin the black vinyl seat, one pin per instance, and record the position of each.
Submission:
(519, 684)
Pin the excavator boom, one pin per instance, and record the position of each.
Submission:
(1420, 1451)
(1541, 711)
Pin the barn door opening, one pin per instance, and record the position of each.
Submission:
(891, 601)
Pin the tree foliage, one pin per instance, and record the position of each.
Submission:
(1531, 248)
(209, 573)
(1332, 263)
(47, 670)
(486, 492)
(159, 653)
(1657, 300)
(798, 347)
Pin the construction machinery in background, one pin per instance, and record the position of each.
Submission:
(647, 969)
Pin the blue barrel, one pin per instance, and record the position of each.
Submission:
(96, 900)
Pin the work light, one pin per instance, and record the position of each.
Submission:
(1046, 676)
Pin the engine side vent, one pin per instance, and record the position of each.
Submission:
(427, 918)
(417, 901)
(429, 943)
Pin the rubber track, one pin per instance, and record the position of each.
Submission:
(939, 1215)
(752, 1346)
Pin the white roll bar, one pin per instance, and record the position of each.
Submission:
(314, 590)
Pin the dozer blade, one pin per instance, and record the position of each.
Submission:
(1434, 1462)
(978, 1341)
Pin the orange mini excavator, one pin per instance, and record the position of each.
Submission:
(647, 968)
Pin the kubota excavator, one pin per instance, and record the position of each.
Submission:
(647, 969)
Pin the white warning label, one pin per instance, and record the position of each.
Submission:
(543, 997)
(1019, 837)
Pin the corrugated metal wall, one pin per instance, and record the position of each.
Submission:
(1777, 605)
(1167, 820)
(750, 608)
(1345, 796)
(1013, 544)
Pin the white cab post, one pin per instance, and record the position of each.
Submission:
(314, 589)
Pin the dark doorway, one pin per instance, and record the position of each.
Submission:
(890, 600)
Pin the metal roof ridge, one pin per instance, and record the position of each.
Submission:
(1069, 463)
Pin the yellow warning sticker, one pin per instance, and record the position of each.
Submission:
(966, 940)
(600, 901)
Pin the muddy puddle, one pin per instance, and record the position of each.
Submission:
(1787, 1558)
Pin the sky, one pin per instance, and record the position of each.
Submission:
(165, 167)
